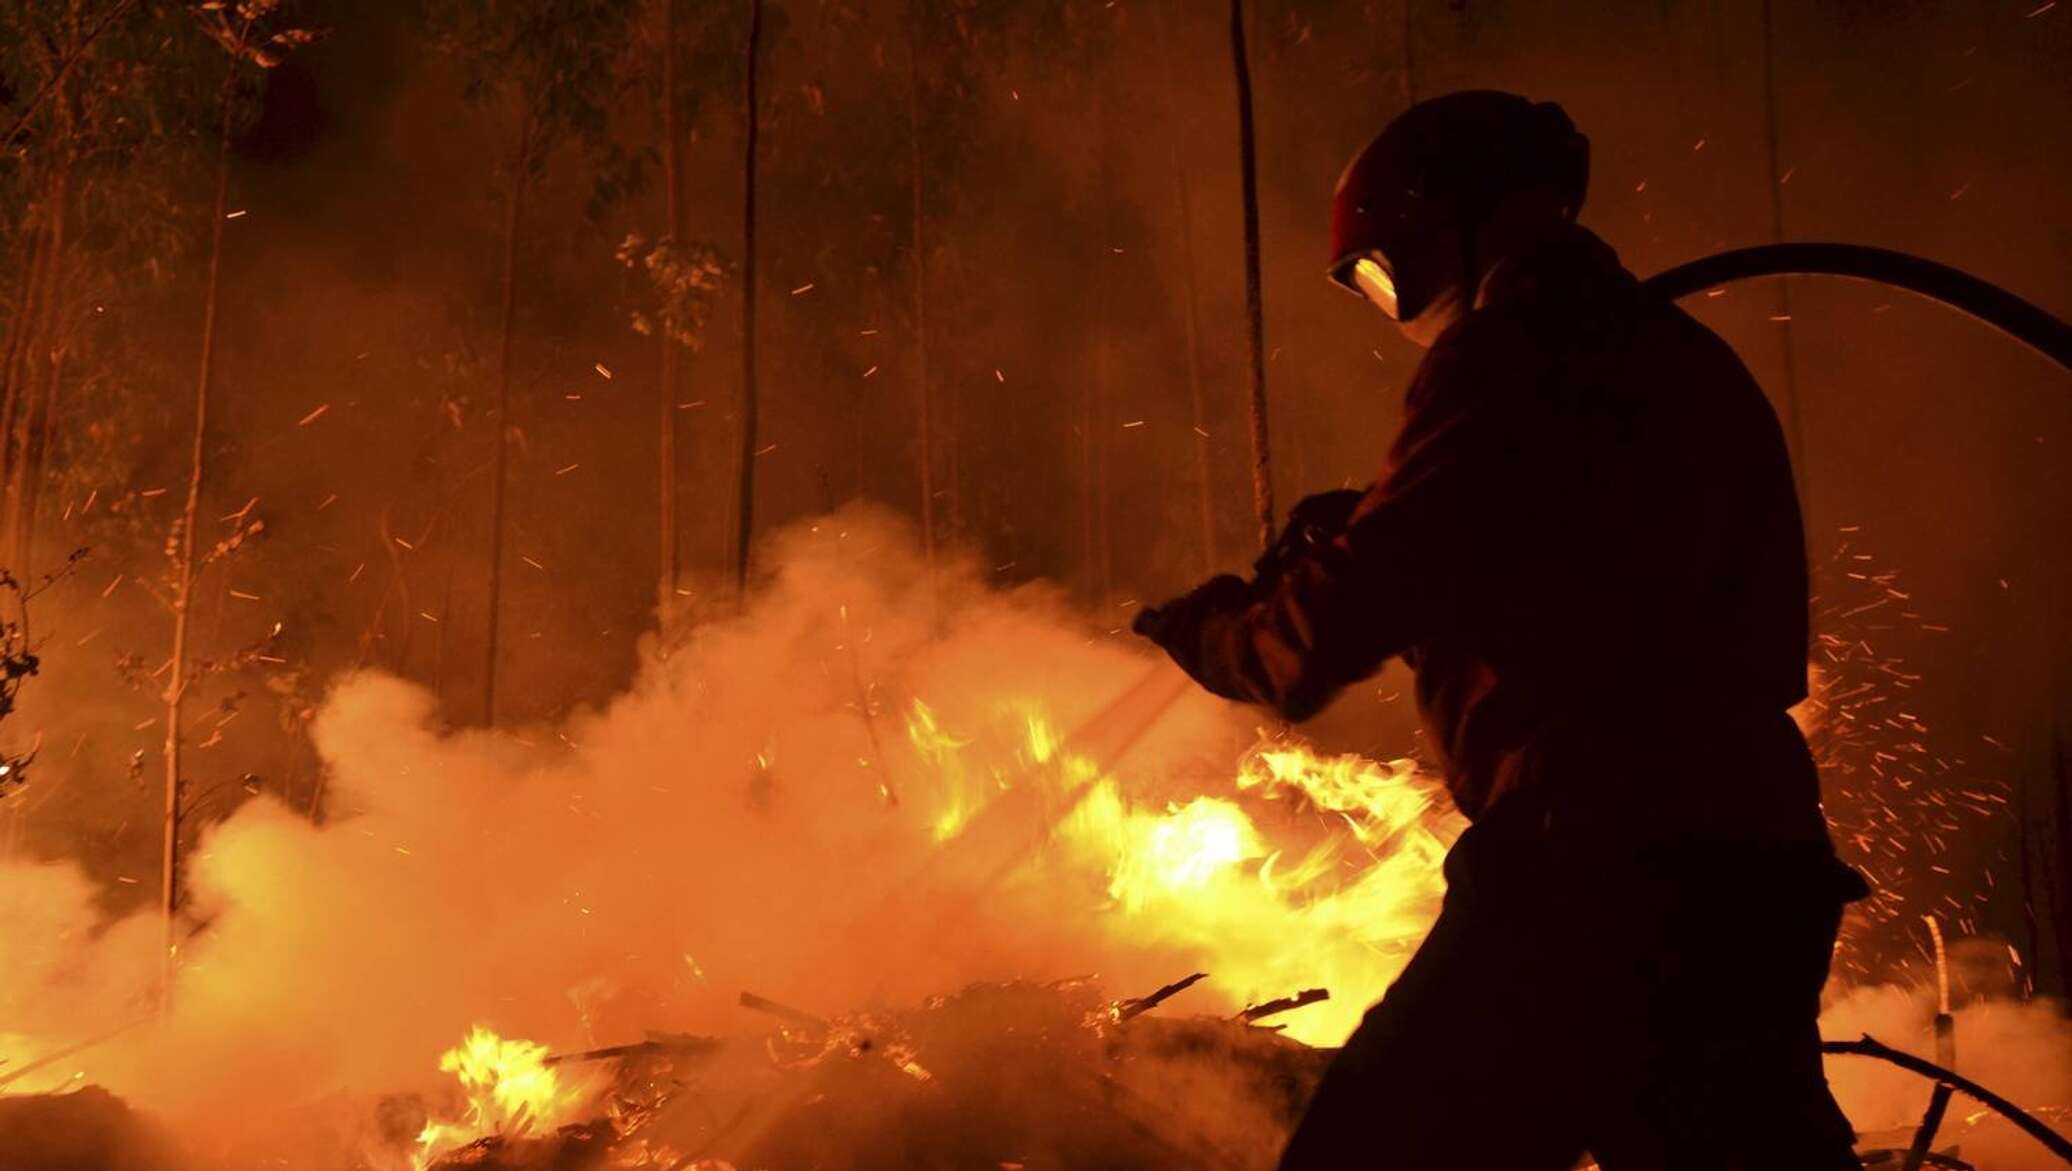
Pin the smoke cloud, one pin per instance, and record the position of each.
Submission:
(776, 805)
(753, 814)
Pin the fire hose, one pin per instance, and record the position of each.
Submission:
(2011, 315)
(2029, 1124)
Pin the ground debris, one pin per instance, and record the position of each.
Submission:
(1136, 1006)
(572, 1148)
(1307, 996)
(1036, 1075)
(87, 1129)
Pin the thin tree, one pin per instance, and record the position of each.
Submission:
(514, 213)
(680, 279)
(70, 57)
(92, 214)
(948, 48)
(1255, 312)
(239, 30)
(923, 398)
(29, 484)
(549, 64)
(1794, 424)
(183, 565)
(1101, 415)
(1191, 309)
(33, 251)
(744, 527)
(33, 365)
(47, 39)
(32, 390)
(665, 398)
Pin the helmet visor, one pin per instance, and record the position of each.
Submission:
(1369, 276)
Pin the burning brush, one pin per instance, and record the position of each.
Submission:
(1193, 871)
(997, 1075)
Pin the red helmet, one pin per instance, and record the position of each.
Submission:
(1445, 163)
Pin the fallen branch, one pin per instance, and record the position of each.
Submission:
(1260, 1012)
(47, 1059)
(797, 1016)
(671, 1044)
(1139, 1005)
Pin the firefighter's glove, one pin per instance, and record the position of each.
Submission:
(1177, 625)
(1312, 524)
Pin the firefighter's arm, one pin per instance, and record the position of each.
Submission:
(1290, 641)
(1423, 551)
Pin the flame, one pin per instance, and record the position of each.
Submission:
(1151, 857)
(511, 1090)
(1377, 800)
(1301, 869)
(1297, 902)
(941, 752)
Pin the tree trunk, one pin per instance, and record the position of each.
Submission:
(32, 367)
(30, 384)
(1103, 423)
(1794, 426)
(1203, 478)
(949, 438)
(183, 564)
(514, 210)
(439, 631)
(37, 307)
(64, 68)
(672, 231)
(1255, 313)
(32, 469)
(924, 403)
(39, 378)
(22, 330)
(1089, 549)
(1182, 197)
(27, 281)
(744, 527)
(859, 404)
(1101, 414)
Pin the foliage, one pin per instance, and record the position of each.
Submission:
(128, 93)
(240, 29)
(682, 279)
(18, 660)
(552, 64)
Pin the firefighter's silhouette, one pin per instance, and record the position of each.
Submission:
(1586, 544)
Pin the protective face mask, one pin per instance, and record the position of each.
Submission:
(1446, 307)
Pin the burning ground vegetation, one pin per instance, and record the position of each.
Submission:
(893, 869)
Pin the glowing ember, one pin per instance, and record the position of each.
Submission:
(511, 1090)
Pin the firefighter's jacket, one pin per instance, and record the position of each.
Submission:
(1586, 543)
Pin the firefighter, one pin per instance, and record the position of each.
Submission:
(1586, 544)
